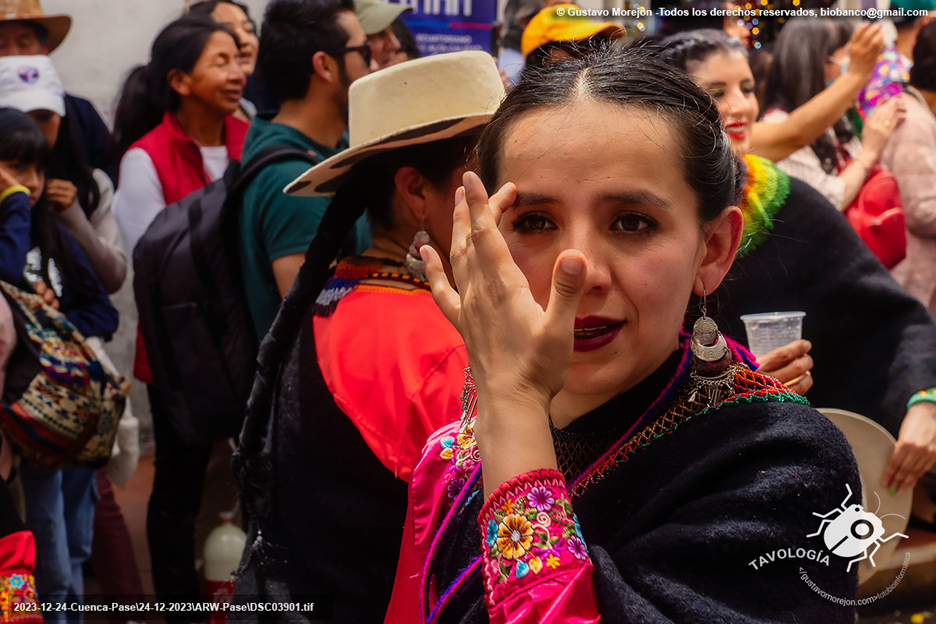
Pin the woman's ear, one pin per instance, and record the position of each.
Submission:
(411, 187)
(180, 82)
(722, 238)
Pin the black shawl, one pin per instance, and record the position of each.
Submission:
(874, 344)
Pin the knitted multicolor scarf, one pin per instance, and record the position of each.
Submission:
(765, 191)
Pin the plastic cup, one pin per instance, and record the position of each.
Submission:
(772, 330)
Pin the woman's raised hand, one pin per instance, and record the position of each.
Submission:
(61, 194)
(6, 179)
(864, 48)
(519, 351)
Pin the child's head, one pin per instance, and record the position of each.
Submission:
(24, 151)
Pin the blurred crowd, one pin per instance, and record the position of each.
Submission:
(283, 193)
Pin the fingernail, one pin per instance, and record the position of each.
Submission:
(893, 491)
(460, 195)
(572, 265)
(424, 253)
(808, 345)
(467, 180)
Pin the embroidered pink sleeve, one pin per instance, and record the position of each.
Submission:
(535, 563)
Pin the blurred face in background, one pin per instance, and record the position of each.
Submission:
(19, 39)
(29, 175)
(734, 25)
(234, 18)
(384, 46)
(49, 122)
(727, 77)
(217, 80)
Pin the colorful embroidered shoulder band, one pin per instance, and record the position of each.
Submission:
(349, 273)
(765, 192)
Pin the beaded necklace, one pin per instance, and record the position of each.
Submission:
(352, 271)
(765, 191)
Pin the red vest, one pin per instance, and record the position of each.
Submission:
(181, 171)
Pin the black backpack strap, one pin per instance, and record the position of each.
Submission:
(266, 157)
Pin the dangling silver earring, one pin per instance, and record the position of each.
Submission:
(711, 362)
(708, 345)
(414, 263)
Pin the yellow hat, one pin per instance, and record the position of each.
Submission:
(562, 22)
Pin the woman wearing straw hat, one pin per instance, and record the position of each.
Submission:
(372, 367)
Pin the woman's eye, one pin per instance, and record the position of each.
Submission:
(532, 223)
(717, 93)
(633, 223)
(746, 89)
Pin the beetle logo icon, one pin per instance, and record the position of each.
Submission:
(849, 531)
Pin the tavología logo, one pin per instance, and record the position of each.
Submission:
(848, 531)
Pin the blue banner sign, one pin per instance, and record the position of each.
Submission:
(451, 25)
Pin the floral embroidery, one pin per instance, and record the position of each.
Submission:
(577, 547)
(535, 525)
(454, 487)
(514, 537)
(541, 498)
(491, 532)
(461, 451)
(18, 600)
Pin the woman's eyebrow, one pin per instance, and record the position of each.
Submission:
(640, 198)
(530, 199)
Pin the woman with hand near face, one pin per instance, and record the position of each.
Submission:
(37, 253)
(604, 203)
(871, 347)
(810, 53)
(80, 197)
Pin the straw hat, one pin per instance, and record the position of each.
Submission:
(873, 447)
(428, 99)
(563, 22)
(31, 11)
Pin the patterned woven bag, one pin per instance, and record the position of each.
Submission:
(60, 405)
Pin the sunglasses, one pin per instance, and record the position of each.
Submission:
(364, 50)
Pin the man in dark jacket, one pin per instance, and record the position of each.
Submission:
(26, 30)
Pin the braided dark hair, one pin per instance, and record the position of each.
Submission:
(684, 49)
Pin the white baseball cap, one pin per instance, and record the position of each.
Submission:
(29, 83)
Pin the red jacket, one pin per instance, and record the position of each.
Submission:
(178, 162)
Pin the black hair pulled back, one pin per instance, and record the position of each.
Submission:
(146, 94)
(629, 77)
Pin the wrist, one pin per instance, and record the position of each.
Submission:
(866, 161)
(859, 72)
(10, 190)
